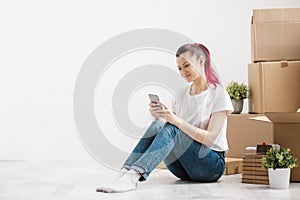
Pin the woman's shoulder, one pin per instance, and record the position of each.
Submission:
(181, 92)
(218, 90)
(183, 89)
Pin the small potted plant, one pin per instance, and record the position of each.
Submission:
(237, 92)
(278, 162)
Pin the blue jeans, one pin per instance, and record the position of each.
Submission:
(183, 156)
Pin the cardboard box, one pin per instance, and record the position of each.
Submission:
(273, 128)
(275, 34)
(274, 86)
(233, 166)
(286, 133)
(162, 165)
(243, 132)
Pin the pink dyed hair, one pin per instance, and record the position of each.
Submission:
(200, 50)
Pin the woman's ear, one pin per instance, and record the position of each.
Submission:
(201, 60)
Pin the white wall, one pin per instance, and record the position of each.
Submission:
(44, 43)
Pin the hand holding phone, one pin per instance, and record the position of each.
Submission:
(154, 99)
(160, 110)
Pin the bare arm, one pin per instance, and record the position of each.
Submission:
(206, 137)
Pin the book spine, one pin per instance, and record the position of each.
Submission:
(259, 173)
(255, 181)
(250, 160)
(252, 164)
(249, 168)
(254, 177)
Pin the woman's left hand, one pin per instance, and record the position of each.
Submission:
(168, 115)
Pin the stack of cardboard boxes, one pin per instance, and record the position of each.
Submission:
(274, 86)
(274, 75)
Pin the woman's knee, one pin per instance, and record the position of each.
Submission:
(158, 123)
(153, 129)
(170, 128)
(167, 129)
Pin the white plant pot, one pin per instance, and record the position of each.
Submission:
(279, 178)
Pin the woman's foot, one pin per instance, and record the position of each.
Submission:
(125, 183)
(120, 173)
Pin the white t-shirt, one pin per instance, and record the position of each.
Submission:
(197, 110)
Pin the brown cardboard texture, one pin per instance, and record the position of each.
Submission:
(286, 132)
(275, 34)
(274, 86)
(233, 166)
(243, 132)
(161, 165)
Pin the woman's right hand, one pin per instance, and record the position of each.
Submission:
(155, 109)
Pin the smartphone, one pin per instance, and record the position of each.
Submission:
(154, 99)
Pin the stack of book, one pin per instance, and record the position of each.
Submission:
(252, 171)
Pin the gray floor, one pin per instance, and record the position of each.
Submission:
(57, 180)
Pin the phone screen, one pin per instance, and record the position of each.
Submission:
(154, 99)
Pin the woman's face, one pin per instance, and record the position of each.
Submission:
(186, 69)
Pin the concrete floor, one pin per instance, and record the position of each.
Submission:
(61, 180)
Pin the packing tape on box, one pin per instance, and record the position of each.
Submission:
(284, 64)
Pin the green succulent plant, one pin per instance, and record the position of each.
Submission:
(237, 91)
(279, 158)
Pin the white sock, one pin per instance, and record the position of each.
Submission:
(120, 173)
(125, 183)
